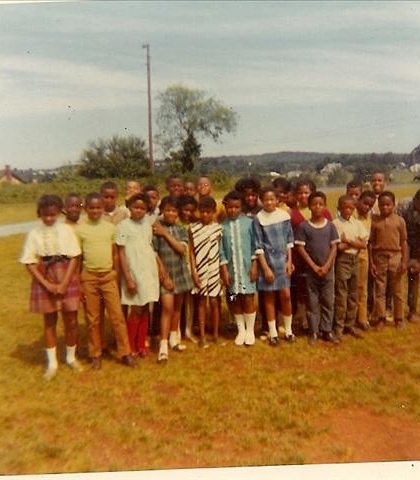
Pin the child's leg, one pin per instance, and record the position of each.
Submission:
(167, 309)
(327, 302)
(395, 278)
(133, 328)
(381, 263)
(50, 334)
(312, 282)
(412, 295)
(362, 313)
(201, 314)
(236, 306)
(342, 275)
(143, 316)
(71, 331)
(286, 310)
(189, 316)
(111, 295)
(215, 315)
(248, 307)
(269, 304)
(174, 323)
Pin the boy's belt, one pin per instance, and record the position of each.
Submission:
(54, 258)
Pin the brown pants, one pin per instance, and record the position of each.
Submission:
(103, 284)
(387, 264)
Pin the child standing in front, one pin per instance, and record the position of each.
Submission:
(170, 241)
(204, 247)
(238, 266)
(353, 239)
(99, 280)
(140, 278)
(316, 242)
(388, 256)
(50, 254)
(274, 242)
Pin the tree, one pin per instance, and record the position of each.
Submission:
(184, 116)
(117, 157)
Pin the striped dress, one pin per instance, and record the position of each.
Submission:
(206, 239)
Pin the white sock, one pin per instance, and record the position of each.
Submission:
(287, 319)
(163, 347)
(272, 328)
(70, 354)
(173, 338)
(249, 326)
(52, 358)
(240, 338)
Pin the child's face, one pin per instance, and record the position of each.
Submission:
(49, 215)
(153, 198)
(132, 188)
(138, 210)
(282, 195)
(302, 195)
(250, 198)
(233, 208)
(73, 209)
(269, 201)
(317, 207)
(354, 192)
(94, 209)
(170, 214)
(189, 189)
(206, 215)
(109, 198)
(176, 187)
(204, 186)
(346, 208)
(364, 205)
(378, 183)
(187, 213)
(386, 206)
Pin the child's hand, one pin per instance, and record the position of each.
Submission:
(61, 289)
(253, 273)
(168, 283)
(269, 275)
(196, 280)
(413, 266)
(373, 270)
(323, 271)
(131, 287)
(226, 280)
(159, 229)
(402, 267)
(51, 287)
(290, 268)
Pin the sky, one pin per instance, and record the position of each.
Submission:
(337, 77)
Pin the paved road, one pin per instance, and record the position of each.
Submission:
(14, 228)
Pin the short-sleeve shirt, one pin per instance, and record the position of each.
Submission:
(43, 241)
(96, 239)
(317, 239)
(353, 229)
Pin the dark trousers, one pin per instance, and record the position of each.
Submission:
(320, 301)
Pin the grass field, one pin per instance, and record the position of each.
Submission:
(225, 406)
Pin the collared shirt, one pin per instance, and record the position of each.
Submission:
(352, 229)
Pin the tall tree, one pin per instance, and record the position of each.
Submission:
(117, 157)
(186, 115)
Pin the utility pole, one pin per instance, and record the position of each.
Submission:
(149, 109)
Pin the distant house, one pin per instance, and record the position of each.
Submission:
(7, 176)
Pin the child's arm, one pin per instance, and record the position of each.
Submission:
(267, 272)
(224, 275)
(115, 260)
(37, 275)
(289, 264)
(73, 264)
(323, 271)
(161, 231)
(344, 244)
(253, 273)
(164, 278)
(129, 282)
(404, 257)
(193, 262)
(307, 259)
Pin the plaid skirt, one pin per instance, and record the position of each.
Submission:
(42, 301)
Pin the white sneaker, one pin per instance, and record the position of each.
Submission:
(240, 338)
(75, 365)
(50, 373)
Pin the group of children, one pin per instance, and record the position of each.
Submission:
(155, 261)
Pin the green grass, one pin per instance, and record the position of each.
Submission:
(225, 406)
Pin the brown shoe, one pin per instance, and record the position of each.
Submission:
(413, 317)
(353, 332)
(96, 363)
